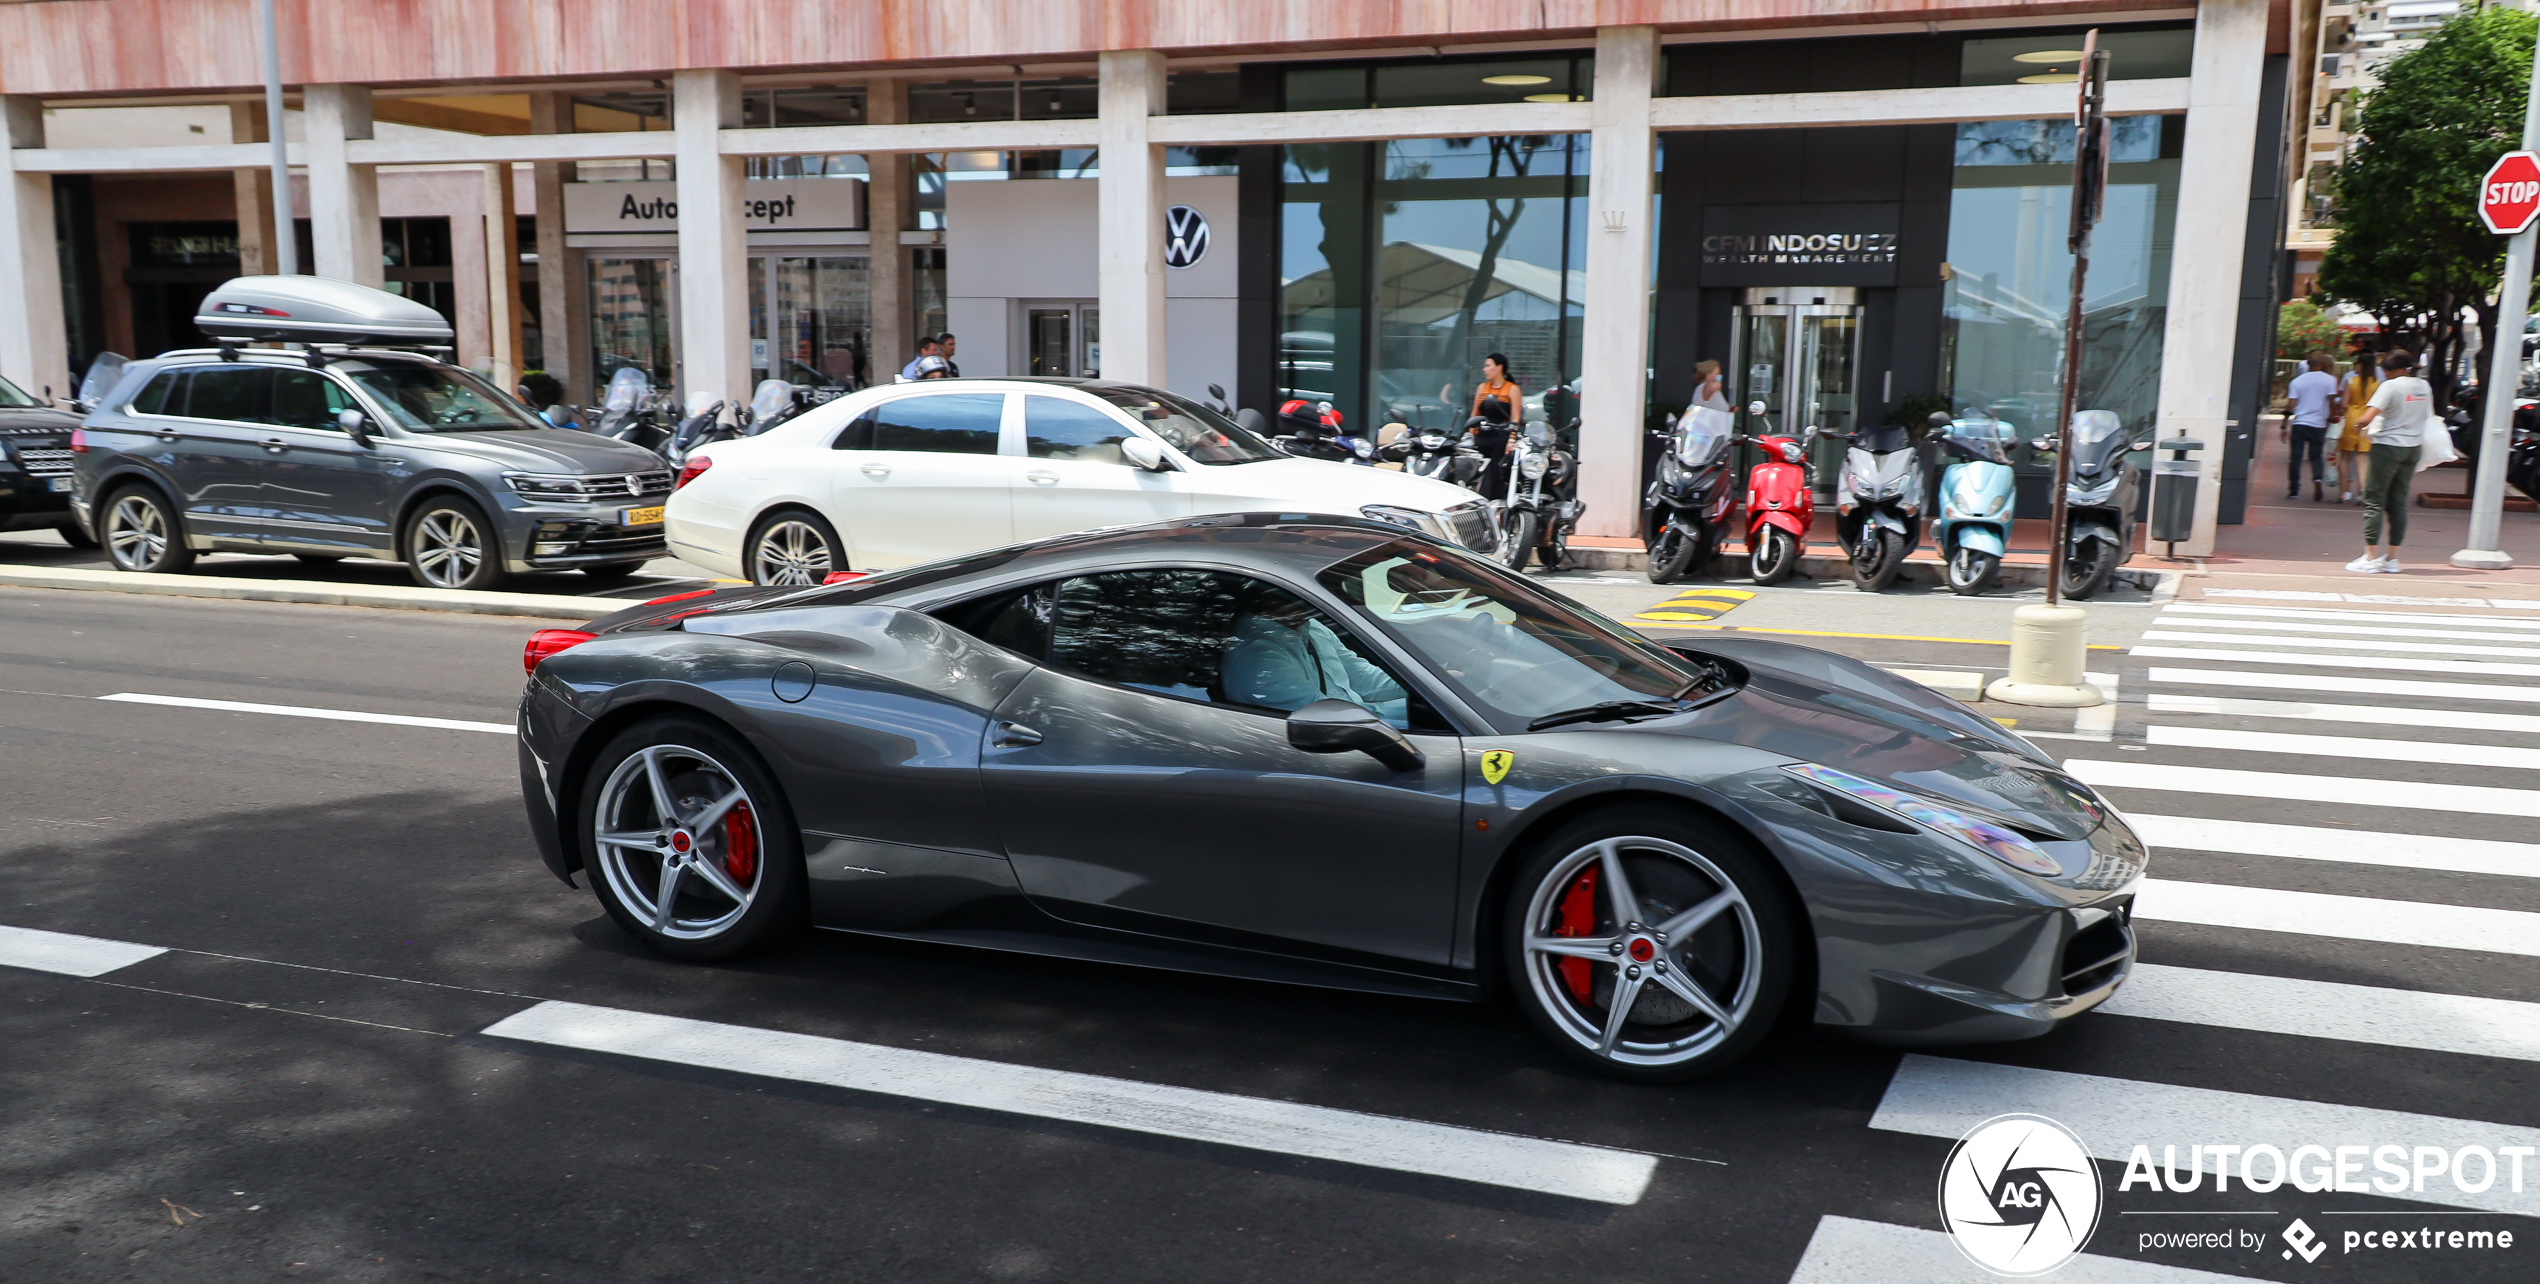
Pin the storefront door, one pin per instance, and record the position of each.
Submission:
(810, 321)
(1062, 339)
(1799, 352)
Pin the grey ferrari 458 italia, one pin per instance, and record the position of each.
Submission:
(1333, 752)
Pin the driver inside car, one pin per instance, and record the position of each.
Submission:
(1285, 657)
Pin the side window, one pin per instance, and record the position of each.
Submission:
(307, 399)
(1223, 638)
(858, 435)
(1055, 428)
(1018, 620)
(163, 395)
(957, 423)
(236, 393)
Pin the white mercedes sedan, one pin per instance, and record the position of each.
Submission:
(913, 472)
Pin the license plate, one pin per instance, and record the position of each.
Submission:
(639, 516)
(59, 485)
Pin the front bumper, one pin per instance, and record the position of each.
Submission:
(551, 537)
(29, 502)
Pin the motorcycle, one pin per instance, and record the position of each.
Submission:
(1314, 432)
(1685, 513)
(1975, 500)
(1780, 506)
(1431, 453)
(1543, 504)
(2099, 501)
(632, 412)
(1878, 504)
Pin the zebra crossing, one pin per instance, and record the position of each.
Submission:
(2338, 802)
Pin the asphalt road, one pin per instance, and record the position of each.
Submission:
(301, 1085)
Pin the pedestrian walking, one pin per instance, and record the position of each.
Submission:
(2353, 442)
(1708, 393)
(2313, 396)
(2397, 421)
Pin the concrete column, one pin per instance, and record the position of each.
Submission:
(502, 276)
(343, 197)
(2212, 227)
(1614, 334)
(1129, 203)
(888, 201)
(564, 310)
(714, 294)
(255, 196)
(34, 353)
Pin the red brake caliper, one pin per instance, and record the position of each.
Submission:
(1577, 917)
(740, 844)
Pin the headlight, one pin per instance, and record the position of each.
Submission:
(2098, 494)
(1532, 466)
(1992, 839)
(1363, 450)
(1425, 523)
(568, 487)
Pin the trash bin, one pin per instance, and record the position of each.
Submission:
(2174, 493)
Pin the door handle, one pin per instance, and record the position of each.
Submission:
(873, 470)
(168, 435)
(276, 444)
(1044, 478)
(1014, 735)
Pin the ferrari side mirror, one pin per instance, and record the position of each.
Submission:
(1337, 726)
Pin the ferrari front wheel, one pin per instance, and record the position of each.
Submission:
(690, 846)
(1649, 945)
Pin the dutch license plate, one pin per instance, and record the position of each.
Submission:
(59, 485)
(639, 516)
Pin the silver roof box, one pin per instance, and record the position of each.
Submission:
(315, 309)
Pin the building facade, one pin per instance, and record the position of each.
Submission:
(1856, 206)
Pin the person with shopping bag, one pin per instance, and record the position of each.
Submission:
(2400, 423)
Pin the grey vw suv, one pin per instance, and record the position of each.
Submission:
(355, 452)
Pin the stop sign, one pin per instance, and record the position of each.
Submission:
(2509, 197)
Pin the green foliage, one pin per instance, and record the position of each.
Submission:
(2409, 244)
(2303, 327)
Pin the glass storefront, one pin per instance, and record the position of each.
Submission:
(810, 322)
(631, 321)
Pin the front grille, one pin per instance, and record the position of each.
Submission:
(2096, 953)
(39, 461)
(603, 488)
(1470, 525)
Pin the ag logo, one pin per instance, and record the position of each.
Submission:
(2020, 1195)
(1495, 764)
(1185, 237)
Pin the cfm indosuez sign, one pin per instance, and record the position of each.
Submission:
(767, 205)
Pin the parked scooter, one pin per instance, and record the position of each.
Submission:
(2098, 502)
(633, 412)
(1780, 506)
(1878, 504)
(1684, 516)
(1543, 504)
(1975, 500)
(1312, 430)
(1431, 453)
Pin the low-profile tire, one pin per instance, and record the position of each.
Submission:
(1876, 566)
(689, 843)
(73, 535)
(1696, 896)
(793, 546)
(142, 532)
(320, 559)
(1971, 571)
(1773, 556)
(450, 545)
(609, 572)
(1525, 531)
(2088, 566)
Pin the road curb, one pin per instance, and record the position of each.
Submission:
(1832, 566)
(383, 596)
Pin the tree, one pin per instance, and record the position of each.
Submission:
(2410, 248)
(2302, 328)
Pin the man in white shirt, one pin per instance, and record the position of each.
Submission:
(2313, 397)
(2396, 420)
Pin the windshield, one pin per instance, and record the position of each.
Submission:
(1513, 651)
(1193, 429)
(627, 389)
(2091, 426)
(14, 399)
(1702, 434)
(1985, 438)
(440, 399)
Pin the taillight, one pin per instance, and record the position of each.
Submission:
(681, 597)
(843, 577)
(546, 642)
(79, 441)
(695, 468)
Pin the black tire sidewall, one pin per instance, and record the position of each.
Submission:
(819, 525)
(783, 895)
(1523, 533)
(176, 557)
(1761, 562)
(489, 567)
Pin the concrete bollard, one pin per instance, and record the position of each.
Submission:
(2048, 646)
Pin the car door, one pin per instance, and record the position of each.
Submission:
(322, 492)
(217, 464)
(1136, 786)
(1074, 477)
(923, 479)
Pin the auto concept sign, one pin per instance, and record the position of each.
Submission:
(2020, 1195)
(2509, 197)
(1185, 237)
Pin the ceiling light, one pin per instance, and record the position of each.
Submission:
(1516, 80)
(2048, 55)
(2051, 78)
(1550, 98)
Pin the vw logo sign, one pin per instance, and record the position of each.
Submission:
(1185, 237)
(2020, 1195)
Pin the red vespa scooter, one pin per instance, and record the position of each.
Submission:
(1779, 507)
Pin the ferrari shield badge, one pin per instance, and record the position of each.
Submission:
(1495, 764)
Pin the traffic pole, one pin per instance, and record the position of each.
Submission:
(2486, 550)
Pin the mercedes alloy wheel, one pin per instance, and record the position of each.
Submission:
(794, 548)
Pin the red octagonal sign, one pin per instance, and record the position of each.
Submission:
(2509, 197)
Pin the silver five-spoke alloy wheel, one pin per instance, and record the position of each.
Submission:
(447, 548)
(678, 841)
(790, 551)
(136, 533)
(1643, 951)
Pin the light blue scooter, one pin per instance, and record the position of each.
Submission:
(1975, 500)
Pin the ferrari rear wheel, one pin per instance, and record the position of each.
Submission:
(691, 847)
(1649, 947)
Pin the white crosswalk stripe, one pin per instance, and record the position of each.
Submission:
(2480, 668)
(2278, 742)
(2332, 1010)
(2222, 623)
(2362, 847)
(2379, 715)
(2295, 787)
(2177, 611)
(2338, 683)
(2343, 646)
(2354, 918)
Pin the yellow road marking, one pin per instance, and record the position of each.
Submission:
(1696, 606)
